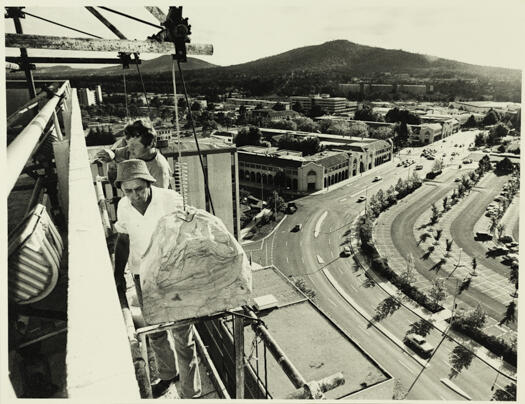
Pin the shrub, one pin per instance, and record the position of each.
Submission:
(496, 345)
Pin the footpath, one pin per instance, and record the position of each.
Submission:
(438, 320)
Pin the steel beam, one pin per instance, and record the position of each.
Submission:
(157, 13)
(99, 45)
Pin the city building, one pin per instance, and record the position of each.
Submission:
(86, 97)
(424, 134)
(331, 105)
(98, 94)
(237, 102)
(343, 157)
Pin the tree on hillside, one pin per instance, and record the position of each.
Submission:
(310, 145)
(196, 106)
(437, 292)
(401, 135)
(492, 117)
(248, 136)
(471, 122)
(382, 132)
(386, 308)
(276, 202)
(408, 276)
(507, 394)
(366, 113)
(421, 327)
(405, 116)
(316, 111)
(297, 107)
(510, 314)
(460, 358)
(285, 124)
(306, 124)
(504, 166)
(278, 106)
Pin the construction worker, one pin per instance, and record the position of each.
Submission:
(138, 213)
(140, 144)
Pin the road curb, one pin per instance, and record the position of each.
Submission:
(367, 317)
(440, 325)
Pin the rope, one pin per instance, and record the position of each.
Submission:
(143, 87)
(179, 160)
(125, 94)
(61, 25)
(207, 190)
(131, 17)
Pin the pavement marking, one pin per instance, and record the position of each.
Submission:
(319, 223)
(319, 259)
(405, 366)
(331, 301)
(454, 388)
(342, 200)
(286, 259)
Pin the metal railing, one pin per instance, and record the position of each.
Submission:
(24, 145)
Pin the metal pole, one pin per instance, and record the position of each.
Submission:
(21, 148)
(23, 55)
(238, 334)
(289, 369)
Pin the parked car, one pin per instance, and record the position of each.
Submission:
(457, 179)
(419, 345)
(377, 178)
(482, 236)
(297, 227)
(431, 158)
(419, 167)
(346, 251)
(361, 198)
(467, 161)
(291, 208)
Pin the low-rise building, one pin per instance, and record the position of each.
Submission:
(86, 97)
(331, 105)
(424, 134)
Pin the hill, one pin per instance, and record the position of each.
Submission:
(317, 68)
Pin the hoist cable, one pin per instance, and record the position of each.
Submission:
(179, 146)
(207, 190)
(131, 17)
(61, 25)
(125, 94)
(143, 87)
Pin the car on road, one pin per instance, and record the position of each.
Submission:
(297, 227)
(346, 251)
(419, 345)
(377, 178)
(487, 151)
(399, 164)
(361, 198)
(419, 167)
(467, 161)
(457, 179)
(431, 158)
(291, 208)
(482, 236)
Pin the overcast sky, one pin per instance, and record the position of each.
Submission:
(480, 32)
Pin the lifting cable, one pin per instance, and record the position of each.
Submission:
(179, 146)
(61, 25)
(125, 93)
(204, 173)
(131, 17)
(142, 82)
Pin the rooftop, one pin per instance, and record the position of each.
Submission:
(313, 343)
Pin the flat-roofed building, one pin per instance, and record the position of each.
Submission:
(255, 102)
(307, 336)
(424, 134)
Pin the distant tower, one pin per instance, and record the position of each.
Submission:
(98, 94)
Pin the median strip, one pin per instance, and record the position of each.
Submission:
(319, 223)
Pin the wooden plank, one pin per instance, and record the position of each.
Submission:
(157, 13)
(99, 45)
(238, 340)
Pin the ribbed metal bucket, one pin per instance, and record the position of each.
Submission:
(35, 251)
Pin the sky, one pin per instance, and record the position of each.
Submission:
(479, 32)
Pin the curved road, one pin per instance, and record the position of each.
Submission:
(297, 254)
